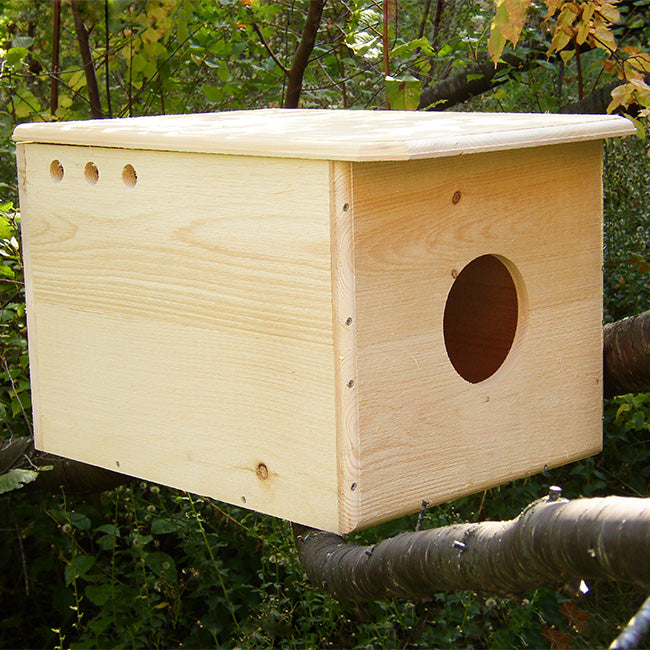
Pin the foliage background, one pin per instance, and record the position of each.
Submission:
(147, 566)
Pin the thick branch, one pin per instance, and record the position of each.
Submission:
(482, 77)
(627, 355)
(301, 57)
(86, 57)
(553, 542)
(73, 476)
(460, 87)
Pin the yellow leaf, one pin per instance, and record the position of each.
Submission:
(552, 6)
(609, 12)
(567, 55)
(566, 17)
(496, 43)
(517, 19)
(560, 41)
(583, 32)
(588, 11)
(507, 24)
(609, 65)
(640, 61)
(605, 38)
(621, 96)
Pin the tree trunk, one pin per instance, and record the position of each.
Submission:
(552, 543)
(301, 57)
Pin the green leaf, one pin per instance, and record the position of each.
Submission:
(99, 594)
(106, 542)
(14, 479)
(162, 526)
(212, 93)
(109, 529)
(78, 567)
(22, 41)
(403, 94)
(15, 55)
(161, 564)
(79, 520)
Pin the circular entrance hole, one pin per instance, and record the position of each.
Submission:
(480, 320)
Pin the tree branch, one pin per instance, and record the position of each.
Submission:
(301, 57)
(73, 476)
(553, 542)
(86, 57)
(460, 87)
(626, 352)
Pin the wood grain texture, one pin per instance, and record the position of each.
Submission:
(332, 134)
(344, 318)
(417, 225)
(182, 327)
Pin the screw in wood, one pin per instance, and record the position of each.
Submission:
(346, 207)
(350, 383)
(348, 321)
(353, 487)
(554, 492)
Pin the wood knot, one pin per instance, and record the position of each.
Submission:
(262, 471)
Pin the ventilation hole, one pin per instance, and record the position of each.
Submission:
(129, 176)
(91, 173)
(480, 318)
(56, 171)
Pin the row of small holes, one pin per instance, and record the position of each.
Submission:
(129, 175)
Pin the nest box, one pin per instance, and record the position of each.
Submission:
(327, 316)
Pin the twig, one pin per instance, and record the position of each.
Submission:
(425, 16)
(106, 53)
(13, 388)
(21, 548)
(272, 54)
(56, 37)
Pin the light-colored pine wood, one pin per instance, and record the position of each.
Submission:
(540, 209)
(268, 327)
(343, 290)
(181, 329)
(332, 134)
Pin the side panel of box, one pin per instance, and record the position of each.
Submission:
(425, 432)
(181, 319)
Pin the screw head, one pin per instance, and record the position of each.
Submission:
(554, 492)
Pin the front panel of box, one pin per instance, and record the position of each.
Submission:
(478, 321)
(180, 321)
